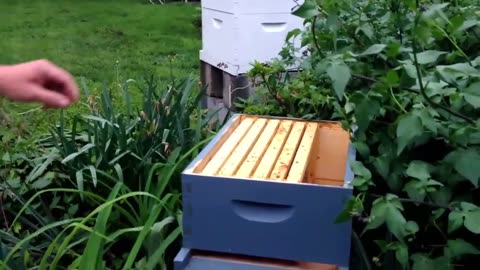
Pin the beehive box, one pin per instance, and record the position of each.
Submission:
(187, 259)
(236, 33)
(271, 187)
(252, 6)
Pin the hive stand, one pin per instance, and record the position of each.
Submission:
(223, 89)
(188, 259)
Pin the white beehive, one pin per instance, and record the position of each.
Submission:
(235, 33)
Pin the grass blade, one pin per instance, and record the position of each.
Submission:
(84, 149)
(93, 172)
(141, 237)
(92, 256)
(159, 253)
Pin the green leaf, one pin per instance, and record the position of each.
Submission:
(442, 196)
(359, 169)
(468, 215)
(388, 210)
(347, 209)
(451, 72)
(415, 190)
(6, 157)
(41, 168)
(94, 250)
(419, 170)
(428, 120)
(455, 221)
(411, 227)
(466, 25)
(293, 33)
(377, 214)
(466, 206)
(340, 74)
(307, 10)
(472, 221)
(409, 128)
(427, 57)
(435, 11)
(361, 183)
(401, 253)
(436, 214)
(155, 212)
(444, 263)
(382, 164)
(367, 29)
(472, 95)
(41, 183)
(422, 262)
(374, 49)
(392, 79)
(93, 172)
(459, 247)
(467, 163)
(162, 248)
(79, 178)
(353, 206)
(84, 149)
(362, 148)
(365, 112)
(395, 221)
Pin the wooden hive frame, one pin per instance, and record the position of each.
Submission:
(279, 149)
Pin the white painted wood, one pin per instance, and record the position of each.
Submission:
(235, 33)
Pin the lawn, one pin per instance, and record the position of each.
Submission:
(101, 41)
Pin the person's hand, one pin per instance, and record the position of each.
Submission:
(38, 81)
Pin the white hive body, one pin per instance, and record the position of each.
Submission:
(235, 33)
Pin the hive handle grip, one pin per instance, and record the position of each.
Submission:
(273, 27)
(262, 212)
(217, 23)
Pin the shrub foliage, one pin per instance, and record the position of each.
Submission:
(403, 77)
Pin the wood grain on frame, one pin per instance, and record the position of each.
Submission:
(226, 149)
(285, 160)
(270, 157)
(257, 152)
(240, 153)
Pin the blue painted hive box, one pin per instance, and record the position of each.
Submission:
(271, 187)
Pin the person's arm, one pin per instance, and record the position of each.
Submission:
(38, 81)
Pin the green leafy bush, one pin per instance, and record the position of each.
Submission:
(404, 78)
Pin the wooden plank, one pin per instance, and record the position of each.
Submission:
(200, 166)
(284, 162)
(240, 153)
(316, 266)
(302, 157)
(331, 154)
(327, 182)
(226, 149)
(258, 150)
(268, 161)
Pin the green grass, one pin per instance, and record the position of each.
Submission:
(99, 40)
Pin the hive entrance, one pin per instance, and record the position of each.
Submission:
(282, 150)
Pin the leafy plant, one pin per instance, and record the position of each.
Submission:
(106, 141)
(403, 78)
(88, 242)
(115, 194)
